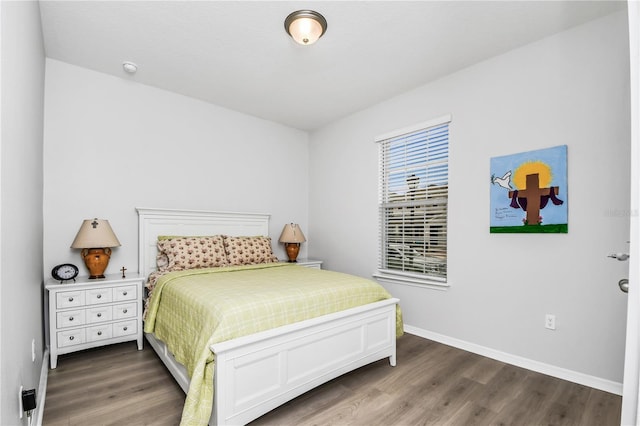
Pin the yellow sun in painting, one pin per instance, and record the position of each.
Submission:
(519, 177)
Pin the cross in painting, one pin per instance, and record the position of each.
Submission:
(530, 199)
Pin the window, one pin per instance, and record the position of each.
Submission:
(414, 186)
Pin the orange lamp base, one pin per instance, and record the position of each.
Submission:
(292, 250)
(96, 260)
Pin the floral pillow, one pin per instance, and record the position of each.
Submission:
(248, 250)
(191, 252)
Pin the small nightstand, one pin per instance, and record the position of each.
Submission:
(90, 313)
(310, 263)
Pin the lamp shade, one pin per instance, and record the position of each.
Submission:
(95, 233)
(305, 26)
(292, 234)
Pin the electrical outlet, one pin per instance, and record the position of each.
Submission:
(20, 410)
(550, 321)
(33, 350)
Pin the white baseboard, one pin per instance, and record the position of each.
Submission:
(529, 364)
(42, 390)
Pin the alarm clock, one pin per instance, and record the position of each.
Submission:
(65, 272)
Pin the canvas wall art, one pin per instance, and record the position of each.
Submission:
(529, 192)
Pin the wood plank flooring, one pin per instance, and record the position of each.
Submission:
(432, 384)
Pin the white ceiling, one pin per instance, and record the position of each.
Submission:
(236, 54)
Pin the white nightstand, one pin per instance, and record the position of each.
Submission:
(310, 263)
(90, 313)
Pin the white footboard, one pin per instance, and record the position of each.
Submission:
(257, 373)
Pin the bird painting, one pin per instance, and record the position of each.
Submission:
(504, 181)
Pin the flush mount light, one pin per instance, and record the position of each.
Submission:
(305, 26)
(129, 67)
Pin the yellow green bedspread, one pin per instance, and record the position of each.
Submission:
(191, 310)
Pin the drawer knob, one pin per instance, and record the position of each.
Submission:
(70, 318)
(71, 299)
(124, 311)
(124, 293)
(99, 333)
(99, 314)
(125, 328)
(70, 337)
(99, 296)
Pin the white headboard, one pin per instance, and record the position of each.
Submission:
(155, 222)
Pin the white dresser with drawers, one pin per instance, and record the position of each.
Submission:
(90, 313)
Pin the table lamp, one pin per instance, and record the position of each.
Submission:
(292, 236)
(95, 238)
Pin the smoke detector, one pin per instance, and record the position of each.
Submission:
(129, 67)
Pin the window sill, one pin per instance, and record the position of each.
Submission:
(411, 281)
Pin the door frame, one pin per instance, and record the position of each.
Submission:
(630, 394)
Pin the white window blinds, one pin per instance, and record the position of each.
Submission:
(414, 182)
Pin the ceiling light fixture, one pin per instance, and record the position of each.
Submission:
(130, 67)
(305, 26)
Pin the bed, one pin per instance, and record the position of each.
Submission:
(256, 373)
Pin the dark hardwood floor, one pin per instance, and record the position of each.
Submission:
(432, 384)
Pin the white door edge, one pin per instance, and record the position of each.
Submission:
(630, 394)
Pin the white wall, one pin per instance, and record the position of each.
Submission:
(112, 144)
(22, 90)
(571, 88)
